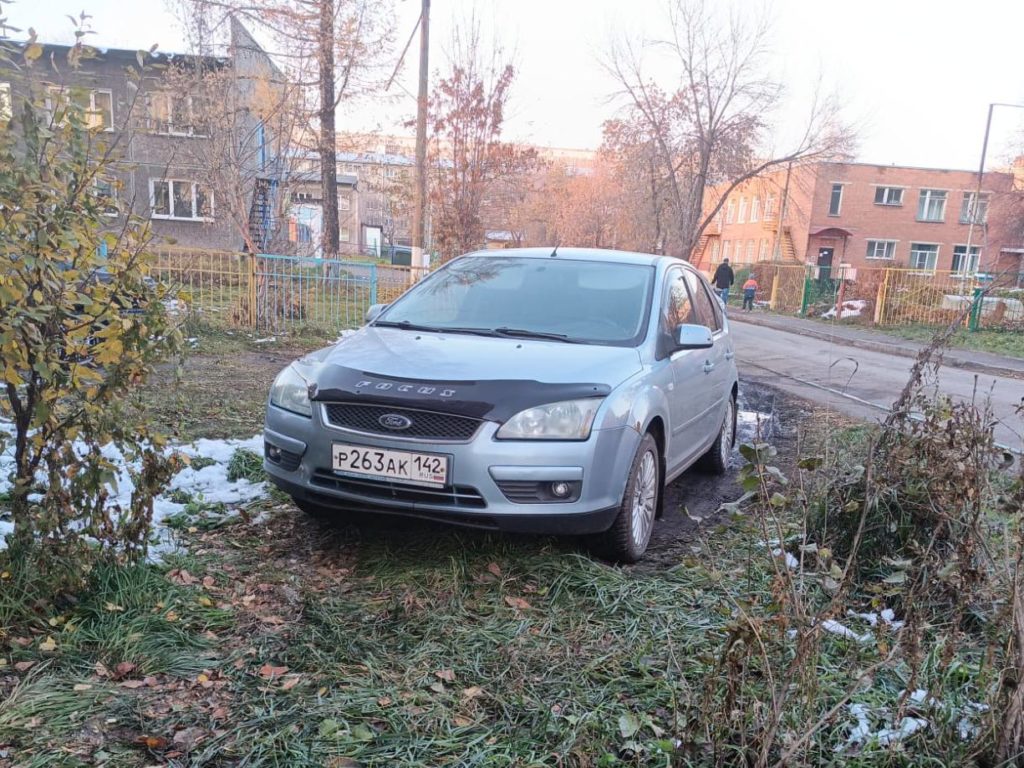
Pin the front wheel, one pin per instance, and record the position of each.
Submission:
(716, 460)
(626, 541)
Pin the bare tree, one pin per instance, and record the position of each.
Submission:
(331, 49)
(711, 126)
(467, 114)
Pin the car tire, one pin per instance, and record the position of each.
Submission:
(716, 460)
(627, 539)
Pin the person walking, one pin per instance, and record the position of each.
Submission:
(749, 291)
(723, 280)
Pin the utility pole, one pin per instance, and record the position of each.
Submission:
(328, 141)
(420, 257)
(972, 210)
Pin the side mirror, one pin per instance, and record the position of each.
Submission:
(374, 311)
(693, 337)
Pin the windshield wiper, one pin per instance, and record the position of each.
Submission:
(405, 325)
(524, 333)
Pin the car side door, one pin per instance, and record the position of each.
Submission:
(717, 365)
(689, 400)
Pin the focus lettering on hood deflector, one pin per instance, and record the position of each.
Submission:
(494, 400)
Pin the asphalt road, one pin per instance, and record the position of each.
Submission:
(863, 383)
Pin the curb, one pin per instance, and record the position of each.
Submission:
(882, 346)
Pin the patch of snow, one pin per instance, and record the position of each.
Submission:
(886, 618)
(834, 627)
(791, 562)
(908, 727)
(209, 483)
(268, 340)
(862, 729)
(852, 308)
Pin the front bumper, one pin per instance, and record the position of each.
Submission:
(483, 473)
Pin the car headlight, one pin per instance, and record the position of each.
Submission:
(566, 420)
(291, 392)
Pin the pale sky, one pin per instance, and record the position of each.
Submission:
(916, 75)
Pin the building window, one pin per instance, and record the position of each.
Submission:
(931, 205)
(889, 196)
(97, 106)
(742, 217)
(750, 251)
(726, 250)
(881, 249)
(924, 256)
(763, 255)
(835, 202)
(176, 199)
(175, 114)
(769, 208)
(730, 211)
(755, 210)
(967, 207)
(344, 234)
(715, 248)
(345, 201)
(962, 262)
(6, 105)
(105, 191)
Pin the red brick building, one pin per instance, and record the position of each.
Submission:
(865, 215)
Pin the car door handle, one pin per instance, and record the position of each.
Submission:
(709, 367)
(730, 355)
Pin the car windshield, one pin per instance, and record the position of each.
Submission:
(592, 302)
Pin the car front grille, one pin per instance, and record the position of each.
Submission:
(383, 490)
(425, 425)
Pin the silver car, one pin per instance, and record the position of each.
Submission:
(522, 390)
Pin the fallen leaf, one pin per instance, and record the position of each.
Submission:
(205, 602)
(461, 721)
(202, 678)
(133, 684)
(24, 666)
(23, 642)
(82, 687)
(362, 733)
(472, 692)
(518, 603)
(150, 681)
(181, 576)
(113, 608)
(628, 726)
(343, 762)
(187, 738)
(437, 687)
(384, 701)
(101, 669)
(209, 581)
(49, 645)
(152, 742)
(445, 674)
(495, 569)
(275, 620)
(291, 682)
(269, 671)
(220, 713)
(123, 669)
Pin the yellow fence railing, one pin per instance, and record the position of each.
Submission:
(888, 296)
(274, 293)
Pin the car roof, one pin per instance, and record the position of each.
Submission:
(578, 254)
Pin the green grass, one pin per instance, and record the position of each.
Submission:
(424, 647)
(1009, 343)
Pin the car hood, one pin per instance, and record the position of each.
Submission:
(460, 373)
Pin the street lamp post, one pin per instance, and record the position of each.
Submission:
(972, 210)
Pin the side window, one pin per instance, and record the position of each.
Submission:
(677, 308)
(703, 308)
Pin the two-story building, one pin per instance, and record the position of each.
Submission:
(863, 215)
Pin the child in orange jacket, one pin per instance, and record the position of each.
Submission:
(749, 291)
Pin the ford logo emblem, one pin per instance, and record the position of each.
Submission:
(394, 421)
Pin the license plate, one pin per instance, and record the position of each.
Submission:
(404, 466)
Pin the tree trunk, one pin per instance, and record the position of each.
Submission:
(328, 161)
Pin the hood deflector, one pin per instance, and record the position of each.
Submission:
(493, 400)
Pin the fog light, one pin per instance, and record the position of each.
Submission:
(273, 453)
(560, 490)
